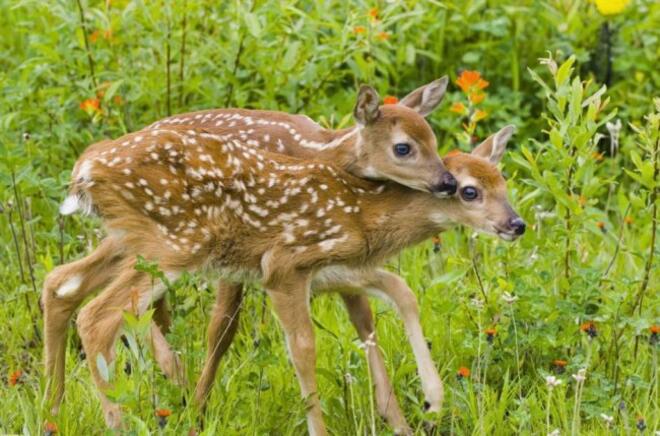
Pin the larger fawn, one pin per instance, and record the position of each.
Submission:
(392, 142)
(188, 199)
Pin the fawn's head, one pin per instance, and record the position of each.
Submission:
(482, 195)
(395, 142)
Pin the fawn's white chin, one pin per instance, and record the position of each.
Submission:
(507, 236)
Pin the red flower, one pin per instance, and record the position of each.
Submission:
(463, 372)
(373, 13)
(91, 105)
(50, 428)
(15, 377)
(94, 35)
(480, 115)
(601, 226)
(589, 328)
(163, 413)
(383, 36)
(654, 329)
(490, 335)
(559, 362)
(390, 99)
(477, 97)
(471, 79)
(359, 29)
(458, 107)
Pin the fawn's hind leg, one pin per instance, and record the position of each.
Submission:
(64, 290)
(99, 323)
(362, 318)
(221, 330)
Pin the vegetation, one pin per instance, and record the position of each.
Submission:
(557, 332)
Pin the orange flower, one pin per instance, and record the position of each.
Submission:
(654, 329)
(50, 428)
(437, 239)
(477, 97)
(163, 413)
(373, 13)
(91, 105)
(490, 335)
(480, 115)
(463, 372)
(582, 200)
(458, 107)
(628, 219)
(559, 362)
(471, 79)
(383, 36)
(94, 35)
(390, 99)
(15, 377)
(359, 29)
(601, 226)
(589, 328)
(597, 156)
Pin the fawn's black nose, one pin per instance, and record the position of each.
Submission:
(447, 185)
(517, 225)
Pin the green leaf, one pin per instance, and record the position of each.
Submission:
(564, 71)
(253, 24)
(291, 56)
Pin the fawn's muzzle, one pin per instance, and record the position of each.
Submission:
(447, 185)
(517, 225)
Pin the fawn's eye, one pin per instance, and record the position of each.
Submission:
(469, 193)
(402, 149)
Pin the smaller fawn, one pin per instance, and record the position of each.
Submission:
(190, 199)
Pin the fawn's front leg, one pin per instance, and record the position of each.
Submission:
(362, 318)
(291, 304)
(397, 291)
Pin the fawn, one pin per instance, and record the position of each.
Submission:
(367, 150)
(191, 199)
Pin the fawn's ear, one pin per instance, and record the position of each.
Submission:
(366, 109)
(426, 98)
(493, 147)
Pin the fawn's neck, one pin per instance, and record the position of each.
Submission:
(399, 217)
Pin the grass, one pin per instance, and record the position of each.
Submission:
(72, 73)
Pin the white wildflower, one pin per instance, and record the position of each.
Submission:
(608, 419)
(509, 298)
(614, 129)
(580, 376)
(550, 63)
(551, 381)
(476, 302)
(554, 432)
